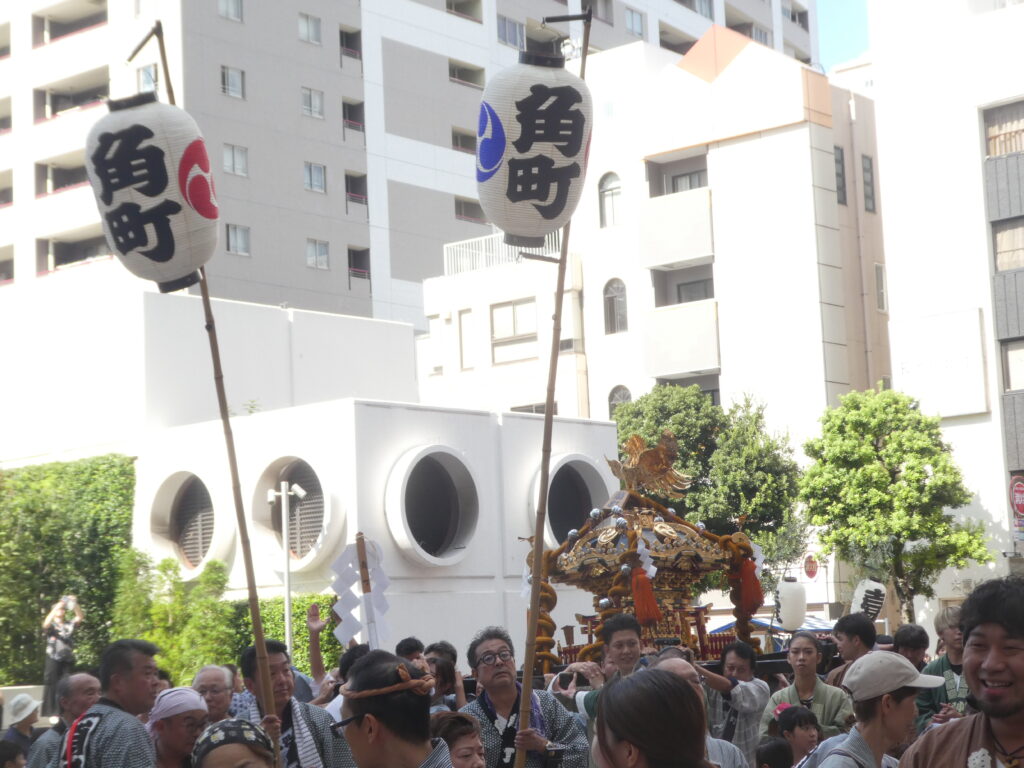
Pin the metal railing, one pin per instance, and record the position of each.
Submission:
(491, 251)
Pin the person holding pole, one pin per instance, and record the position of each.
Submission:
(552, 735)
(305, 734)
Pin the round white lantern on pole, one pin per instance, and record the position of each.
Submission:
(792, 604)
(150, 173)
(533, 139)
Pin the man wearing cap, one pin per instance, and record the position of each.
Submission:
(24, 713)
(75, 694)
(884, 687)
(385, 715)
(992, 620)
(109, 734)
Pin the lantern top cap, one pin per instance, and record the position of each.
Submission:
(131, 101)
(542, 59)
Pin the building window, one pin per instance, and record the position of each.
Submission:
(309, 28)
(351, 43)
(232, 82)
(230, 9)
(469, 210)
(1013, 365)
(1009, 244)
(359, 263)
(840, 175)
(318, 254)
(881, 290)
(514, 331)
(353, 115)
(703, 7)
(693, 180)
(237, 239)
(1004, 129)
(868, 167)
(464, 141)
(356, 189)
(696, 290)
(615, 307)
(236, 160)
(315, 177)
(192, 522)
(635, 22)
(147, 79)
(616, 397)
(608, 192)
(312, 102)
(465, 74)
(761, 35)
(511, 32)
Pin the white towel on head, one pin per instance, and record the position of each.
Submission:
(173, 702)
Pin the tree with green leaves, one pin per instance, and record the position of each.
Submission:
(133, 598)
(743, 476)
(879, 487)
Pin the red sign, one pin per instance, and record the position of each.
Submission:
(811, 565)
(1017, 495)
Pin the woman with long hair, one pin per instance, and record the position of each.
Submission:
(829, 704)
(651, 719)
(448, 695)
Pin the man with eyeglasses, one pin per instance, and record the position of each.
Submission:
(553, 736)
(215, 685)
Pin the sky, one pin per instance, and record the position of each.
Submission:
(842, 31)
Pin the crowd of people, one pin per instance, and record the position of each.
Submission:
(883, 706)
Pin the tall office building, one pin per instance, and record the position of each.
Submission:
(951, 138)
(341, 132)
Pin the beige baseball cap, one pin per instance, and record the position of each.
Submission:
(879, 672)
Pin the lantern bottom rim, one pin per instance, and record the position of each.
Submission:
(182, 282)
(524, 241)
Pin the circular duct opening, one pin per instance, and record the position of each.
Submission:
(192, 522)
(305, 512)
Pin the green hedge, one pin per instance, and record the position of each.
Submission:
(63, 527)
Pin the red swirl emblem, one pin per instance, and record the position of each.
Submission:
(195, 180)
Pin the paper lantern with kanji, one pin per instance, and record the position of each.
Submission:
(150, 172)
(531, 150)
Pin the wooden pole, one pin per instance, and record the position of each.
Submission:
(265, 694)
(537, 567)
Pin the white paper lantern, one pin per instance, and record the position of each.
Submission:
(150, 173)
(532, 145)
(868, 598)
(792, 604)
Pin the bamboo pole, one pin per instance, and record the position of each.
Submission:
(537, 567)
(265, 694)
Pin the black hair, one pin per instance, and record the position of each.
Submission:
(444, 648)
(618, 623)
(792, 718)
(775, 753)
(119, 656)
(452, 726)
(248, 660)
(997, 601)
(408, 646)
(867, 710)
(405, 713)
(804, 635)
(910, 637)
(857, 625)
(741, 650)
(659, 713)
(163, 674)
(487, 633)
(444, 677)
(350, 657)
(9, 751)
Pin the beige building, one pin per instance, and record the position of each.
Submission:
(341, 132)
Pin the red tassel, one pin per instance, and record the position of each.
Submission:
(644, 605)
(751, 594)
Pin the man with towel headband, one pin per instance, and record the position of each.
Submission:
(176, 720)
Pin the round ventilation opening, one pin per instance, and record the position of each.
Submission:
(192, 522)
(569, 501)
(305, 512)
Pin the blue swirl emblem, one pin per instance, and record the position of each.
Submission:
(490, 143)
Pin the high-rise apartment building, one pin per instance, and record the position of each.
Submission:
(341, 133)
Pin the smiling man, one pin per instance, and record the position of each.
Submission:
(992, 622)
(307, 740)
(551, 733)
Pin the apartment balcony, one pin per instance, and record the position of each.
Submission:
(491, 251)
(69, 208)
(675, 230)
(66, 131)
(81, 51)
(681, 339)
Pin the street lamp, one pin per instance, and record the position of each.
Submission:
(300, 493)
